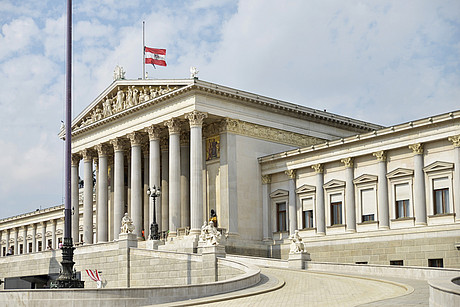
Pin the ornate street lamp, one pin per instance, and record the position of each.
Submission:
(154, 193)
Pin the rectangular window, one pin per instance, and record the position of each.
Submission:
(402, 196)
(396, 262)
(368, 206)
(50, 242)
(307, 212)
(436, 263)
(81, 238)
(441, 201)
(4, 251)
(281, 216)
(336, 213)
(361, 262)
(40, 246)
(21, 249)
(30, 247)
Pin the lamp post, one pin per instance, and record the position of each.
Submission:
(154, 193)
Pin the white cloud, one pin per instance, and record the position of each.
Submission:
(17, 35)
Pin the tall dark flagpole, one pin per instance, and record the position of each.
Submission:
(143, 50)
(67, 277)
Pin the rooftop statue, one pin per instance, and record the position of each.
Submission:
(118, 73)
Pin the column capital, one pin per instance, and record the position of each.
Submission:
(87, 154)
(43, 223)
(455, 140)
(173, 125)
(102, 149)
(75, 159)
(417, 149)
(348, 162)
(145, 149)
(154, 132)
(119, 144)
(380, 155)
(291, 173)
(96, 162)
(164, 145)
(135, 138)
(266, 179)
(318, 168)
(229, 125)
(196, 118)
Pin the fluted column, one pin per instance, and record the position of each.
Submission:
(383, 206)
(196, 168)
(184, 180)
(87, 197)
(102, 201)
(174, 175)
(15, 237)
(456, 176)
(119, 184)
(25, 249)
(164, 186)
(154, 172)
(419, 185)
(34, 239)
(53, 234)
(44, 245)
(145, 197)
(266, 183)
(136, 182)
(350, 213)
(1, 245)
(320, 209)
(7, 239)
(75, 201)
(292, 201)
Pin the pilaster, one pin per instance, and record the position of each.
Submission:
(419, 185)
(320, 209)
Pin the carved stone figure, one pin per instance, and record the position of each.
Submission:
(297, 245)
(118, 73)
(209, 234)
(146, 94)
(120, 99)
(129, 98)
(193, 72)
(127, 224)
(153, 92)
(135, 96)
(107, 107)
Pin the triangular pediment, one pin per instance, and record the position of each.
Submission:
(334, 183)
(438, 166)
(125, 97)
(365, 178)
(279, 193)
(400, 172)
(305, 189)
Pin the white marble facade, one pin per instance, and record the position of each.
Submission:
(267, 167)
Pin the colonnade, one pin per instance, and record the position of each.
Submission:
(383, 205)
(175, 165)
(15, 237)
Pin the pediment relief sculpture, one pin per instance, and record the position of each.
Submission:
(123, 98)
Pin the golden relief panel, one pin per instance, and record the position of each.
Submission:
(213, 148)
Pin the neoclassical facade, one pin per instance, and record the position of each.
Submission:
(266, 167)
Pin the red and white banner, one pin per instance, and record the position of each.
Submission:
(155, 56)
(93, 275)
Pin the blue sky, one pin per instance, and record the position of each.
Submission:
(381, 61)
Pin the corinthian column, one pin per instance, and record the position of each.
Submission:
(75, 200)
(119, 185)
(154, 171)
(419, 185)
(34, 239)
(456, 142)
(292, 201)
(136, 182)
(349, 195)
(174, 175)
(266, 181)
(184, 180)
(320, 211)
(87, 197)
(164, 186)
(383, 207)
(102, 202)
(196, 167)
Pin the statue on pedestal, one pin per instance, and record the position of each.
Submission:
(209, 234)
(127, 224)
(297, 246)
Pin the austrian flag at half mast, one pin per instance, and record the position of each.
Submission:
(155, 56)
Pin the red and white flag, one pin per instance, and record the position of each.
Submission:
(155, 56)
(93, 275)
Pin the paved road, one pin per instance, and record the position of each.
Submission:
(302, 288)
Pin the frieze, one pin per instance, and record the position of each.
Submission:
(267, 133)
(123, 98)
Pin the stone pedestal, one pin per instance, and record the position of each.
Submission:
(153, 244)
(125, 242)
(210, 267)
(298, 260)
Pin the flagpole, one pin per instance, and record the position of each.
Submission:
(143, 50)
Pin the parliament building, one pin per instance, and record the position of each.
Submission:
(357, 192)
